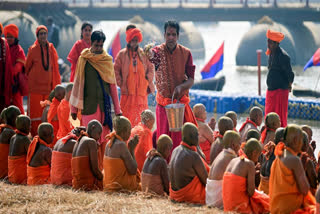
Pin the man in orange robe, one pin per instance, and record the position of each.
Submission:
(19, 144)
(63, 113)
(52, 117)
(39, 156)
(43, 75)
(6, 133)
(143, 130)
(120, 166)
(188, 174)
(174, 77)
(289, 189)
(238, 188)
(86, 174)
(134, 75)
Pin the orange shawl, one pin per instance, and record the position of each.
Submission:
(17, 169)
(206, 147)
(246, 122)
(33, 146)
(61, 168)
(4, 153)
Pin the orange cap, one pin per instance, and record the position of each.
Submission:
(12, 29)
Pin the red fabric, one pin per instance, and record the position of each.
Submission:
(1, 28)
(246, 122)
(277, 101)
(235, 196)
(41, 27)
(11, 29)
(133, 32)
(205, 147)
(68, 137)
(17, 169)
(21, 133)
(61, 168)
(132, 106)
(6, 76)
(199, 119)
(217, 134)
(264, 134)
(53, 117)
(38, 175)
(4, 153)
(63, 113)
(74, 55)
(33, 146)
(35, 111)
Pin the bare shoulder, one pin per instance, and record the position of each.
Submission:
(161, 162)
(290, 161)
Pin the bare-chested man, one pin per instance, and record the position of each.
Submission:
(154, 176)
(233, 116)
(120, 166)
(289, 187)
(86, 174)
(61, 158)
(311, 142)
(239, 194)
(6, 133)
(253, 122)
(205, 132)
(272, 122)
(188, 174)
(224, 124)
(39, 156)
(19, 144)
(231, 143)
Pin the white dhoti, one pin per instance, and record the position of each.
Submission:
(214, 193)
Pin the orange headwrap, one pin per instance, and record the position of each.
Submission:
(41, 27)
(133, 32)
(12, 29)
(1, 28)
(274, 36)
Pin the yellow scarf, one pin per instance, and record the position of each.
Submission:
(101, 62)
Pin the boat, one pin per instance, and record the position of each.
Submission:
(212, 84)
(299, 91)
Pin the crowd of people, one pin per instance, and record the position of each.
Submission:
(247, 170)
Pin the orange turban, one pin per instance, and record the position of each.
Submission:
(41, 27)
(12, 29)
(133, 32)
(1, 28)
(274, 36)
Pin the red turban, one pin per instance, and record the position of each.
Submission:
(274, 36)
(41, 27)
(12, 29)
(133, 32)
(1, 28)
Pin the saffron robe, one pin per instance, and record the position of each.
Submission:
(17, 169)
(63, 114)
(61, 168)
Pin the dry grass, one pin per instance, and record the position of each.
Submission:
(50, 199)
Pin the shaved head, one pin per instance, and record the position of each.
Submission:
(308, 129)
(224, 124)
(293, 137)
(279, 135)
(253, 133)
(59, 92)
(11, 114)
(252, 146)
(190, 134)
(23, 123)
(256, 115)
(305, 140)
(147, 118)
(164, 145)
(2, 116)
(272, 120)
(94, 129)
(230, 138)
(45, 132)
(68, 91)
(122, 126)
(199, 111)
(233, 116)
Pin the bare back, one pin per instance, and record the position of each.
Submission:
(205, 133)
(215, 149)
(19, 145)
(41, 156)
(270, 137)
(220, 164)
(245, 130)
(6, 135)
(65, 147)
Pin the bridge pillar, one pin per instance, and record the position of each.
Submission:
(90, 3)
(275, 4)
(120, 3)
(149, 3)
(307, 3)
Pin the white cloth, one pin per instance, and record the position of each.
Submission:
(214, 193)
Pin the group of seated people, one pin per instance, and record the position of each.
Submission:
(246, 171)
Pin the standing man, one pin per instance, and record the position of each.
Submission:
(93, 84)
(43, 75)
(174, 77)
(279, 77)
(53, 32)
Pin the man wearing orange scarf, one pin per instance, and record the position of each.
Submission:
(6, 133)
(253, 122)
(18, 58)
(43, 75)
(279, 78)
(174, 77)
(6, 79)
(95, 68)
(19, 144)
(120, 167)
(188, 173)
(134, 74)
(39, 156)
(272, 122)
(288, 184)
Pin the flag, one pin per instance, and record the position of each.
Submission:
(314, 61)
(214, 65)
(115, 46)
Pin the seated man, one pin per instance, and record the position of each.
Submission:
(312, 143)
(231, 143)
(205, 132)
(318, 200)
(63, 114)
(86, 174)
(224, 124)
(6, 133)
(61, 158)
(272, 122)
(288, 185)
(39, 156)
(233, 116)
(143, 130)
(254, 120)
(270, 157)
(120, 166)
(19, 144)
(239, 194)
(188, 174)
(52, 117)
(154, 176)
(2, 119)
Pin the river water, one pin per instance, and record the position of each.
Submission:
(239, 80)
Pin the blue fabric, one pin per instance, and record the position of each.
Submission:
(214, 69)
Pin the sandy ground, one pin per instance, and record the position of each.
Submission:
(50, 199)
